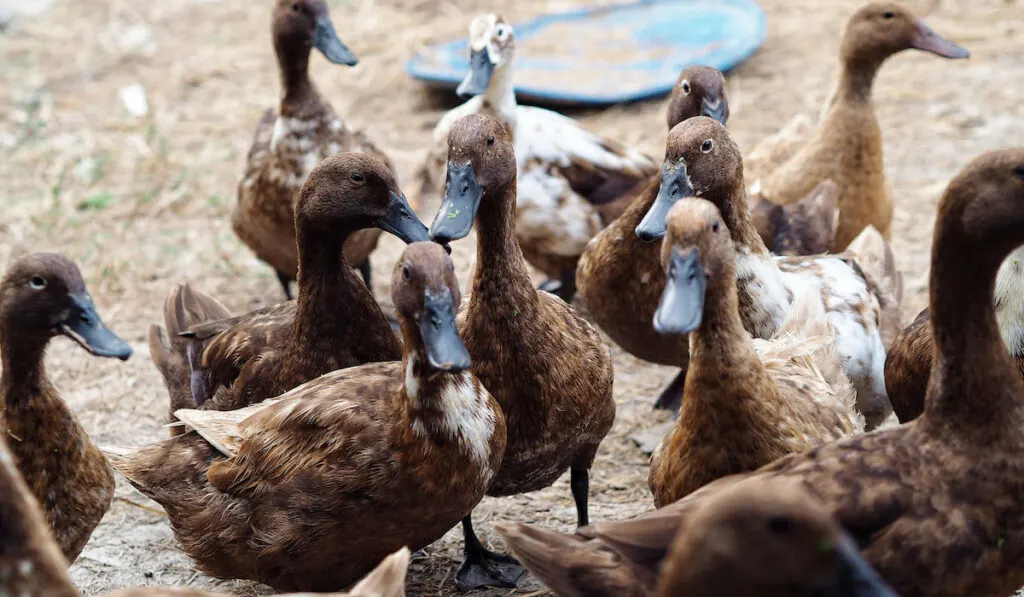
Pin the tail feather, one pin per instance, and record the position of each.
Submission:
(387, 579)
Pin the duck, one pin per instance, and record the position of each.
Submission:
(847, 146)
(571, 181)
(933, 504)
(807, 227)
(619, 277)
(42, 296)
(745, 403)
(771, 538)
(859, 289)
(219, 363)
(909, 362)
(32, 563)
(291, 139)
(544, 363)
(310, 490)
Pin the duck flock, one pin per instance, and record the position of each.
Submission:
(820, 449)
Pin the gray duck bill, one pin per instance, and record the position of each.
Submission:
(326, 39)
(401, 221)
(481, 69)
(682, 302)
(84, 326)
(462, 195)
(675, 185)
(440, 335)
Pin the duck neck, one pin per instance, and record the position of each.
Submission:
(293, 68)
(501, 92)
(31, 563)
(721, 338)
(24, 369)
(856, 78)
(974, 383)
(500, 264)
(735, 209)
(330, 292)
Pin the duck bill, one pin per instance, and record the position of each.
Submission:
(481, 69)
(84, 326)
(462, 195)
(682, 302)
(675, 185)
(330, 45)
(714, 108)
(444, 348)
(401, 221)
(927, 40)
(856, 577)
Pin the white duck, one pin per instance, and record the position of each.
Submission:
(571, 181)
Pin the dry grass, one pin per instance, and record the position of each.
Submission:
(143, 202)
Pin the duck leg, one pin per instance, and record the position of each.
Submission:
(579, 482)
(286, 283)
(564, 288)
(671, 398)
(364, 271)
(483, 568)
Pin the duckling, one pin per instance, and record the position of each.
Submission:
(770, 538)
(847, 147)
(545, 365)
(619, 276)
(292, 139)
(31, 562)
(933, 504)
(231, 363)
(42, 295)
(569, 178)
(309, 491)
(744, 404)
(703, 161)
(909, 362)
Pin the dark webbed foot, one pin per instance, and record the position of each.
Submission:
(286, 283)
(671, 398)
(484, 568)
(564, 288)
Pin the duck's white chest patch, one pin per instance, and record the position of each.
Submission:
(1009, 302)
(760, 280)
(467, 416)
(295, 144)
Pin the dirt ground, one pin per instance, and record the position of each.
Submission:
(142, 202)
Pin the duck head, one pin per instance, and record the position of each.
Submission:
(351, 191)
(879, 30)
(43, 295)
(767, 537)
(426, 294)
(696, 248)
(481, 161)
(492, 44)
(701, 160)
(700, 91)
(299, 25)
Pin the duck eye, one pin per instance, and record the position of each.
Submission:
(780, 525)
(714, 226)
(685, 86)
(490, 140)
(888, 14)
(37, 282)
(356, 177)
(295, 7)
(707, 146)
(406, 272)
(502, 32)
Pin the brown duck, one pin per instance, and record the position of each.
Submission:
(544, 364)
(291, 140)
(619, 277)
(31, 562)
(770, 538)
(310, 491)
(934, 504)
(223, 364)
(909, 362)
(42, 295)
(847, 148)
(746, 402)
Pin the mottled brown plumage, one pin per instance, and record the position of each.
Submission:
(31, 562)
(934, 504)
(847, 147)
(806, 227)
(745, 403)
(544, 364)
(335, 323)
(43, 295)
(619, 277)
(291, 140)
(909, 362)
(770, 539)
(310, 491)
